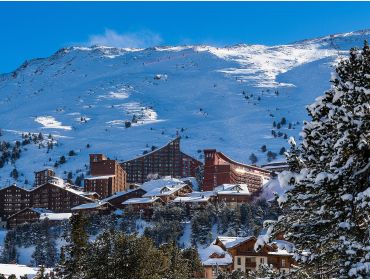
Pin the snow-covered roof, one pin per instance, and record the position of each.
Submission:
(55, 216)
(191, 199)
(118, 194)
(90, 205)
(65, 186)
(164, 190)
(166, 181)
(232, 189)
(100, 177)
(221, 257)
(232, 241)
(140, 200)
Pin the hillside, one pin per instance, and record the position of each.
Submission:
(224, 98)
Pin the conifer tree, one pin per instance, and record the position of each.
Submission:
(326, 211)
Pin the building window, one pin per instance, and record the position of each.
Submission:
(239, 260)
(283, 262)
(262, 260)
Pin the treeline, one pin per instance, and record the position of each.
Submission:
(114, 254)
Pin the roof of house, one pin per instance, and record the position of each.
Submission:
(223, 258)
(118, 194)
(232, 241)
(100, 177)
(158, 183)
(60, 184)
(165, 190)
(55, 216)
(232, 189)
(90, 205)
(283, 248)
(191, 199)
(141, 200)
(36, 210)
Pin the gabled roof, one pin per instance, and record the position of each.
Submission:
(90, 205)
(66, 188)
(55, 216)
(233, 241)
(14, 185)
(232, 189)
(100, 177)
(118, 194)
(214, 255)
(141, 200)
(165, 190)
(36, 210)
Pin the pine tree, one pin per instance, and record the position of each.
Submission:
(76, 249)
(326, 210)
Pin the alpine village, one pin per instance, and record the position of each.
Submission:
(166, 214)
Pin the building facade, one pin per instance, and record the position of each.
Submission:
(57, 198)
(43, 176)
(12, 200)
(165, 161)
(238, 253)
(107, 176)
(220, 169)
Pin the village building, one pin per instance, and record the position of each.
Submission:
(107, 176)
(165, 161)
(276, 167)
(143, 205)
(220, 169)
(43, 176)
(26, 215)
(57, 197)
(195, 200)
(99, 207)
(239, 253)
(169, 192)
(13, 199)
(232, 194)
(119, 197)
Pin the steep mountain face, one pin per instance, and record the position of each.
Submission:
(223, 98)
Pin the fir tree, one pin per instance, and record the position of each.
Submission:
(326, 210)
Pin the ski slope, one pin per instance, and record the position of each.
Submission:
(223, 98)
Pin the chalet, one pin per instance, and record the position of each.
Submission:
(233, 193)
(195, 200)
(143, 204)
(119, 197)
(100, 207)
(27, 215)
(169, 192)
(239, 253)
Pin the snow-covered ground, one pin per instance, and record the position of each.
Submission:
(223, 98)
(19, 270)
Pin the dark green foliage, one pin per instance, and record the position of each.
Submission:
(263, 148)
(253, 158)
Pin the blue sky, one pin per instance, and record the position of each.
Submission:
(38, 29)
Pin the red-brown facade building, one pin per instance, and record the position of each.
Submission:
(13, 199)
(220, 169)
(107, 176)
(165, 161)
(43, 176)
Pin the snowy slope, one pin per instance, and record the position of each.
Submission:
(221, 98)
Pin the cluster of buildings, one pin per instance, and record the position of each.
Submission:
(118, 185)
(246, 254)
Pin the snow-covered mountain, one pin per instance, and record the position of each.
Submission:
(224, 98)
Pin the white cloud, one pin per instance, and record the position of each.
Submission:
(111, 38)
